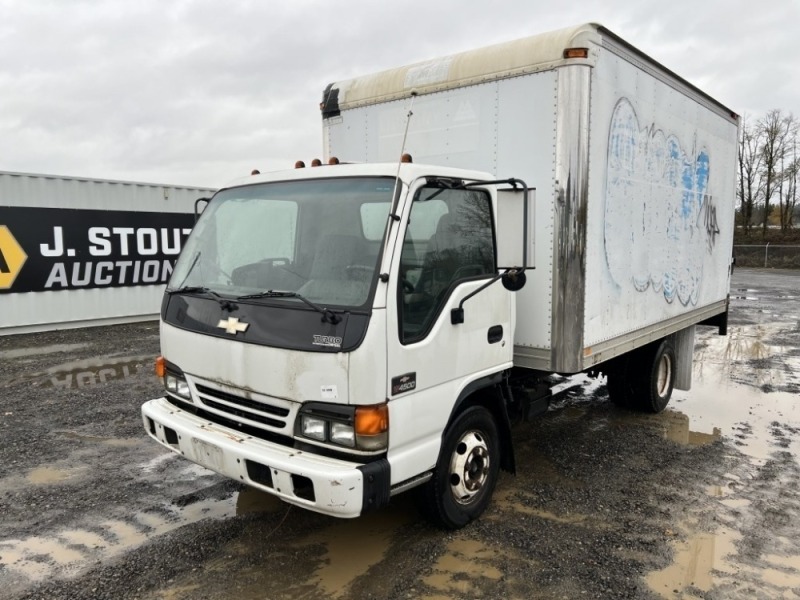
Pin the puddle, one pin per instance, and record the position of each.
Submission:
(750, 419)
(342, 550)
(250, 500)
(96, 439)
(782, 571)
(40, 350)
(85, 373)
(53, 473)
(183, 591)
(154, 463)
(706, 560)
(676, 429)
(736, 503)
(757, 422)
(508, 499)
(463, 562)
(744, 355)
(674, 424)
(79, 374)
(721, 491)
(50, 475)
(353, 546)
(696, 560)
(69, 551)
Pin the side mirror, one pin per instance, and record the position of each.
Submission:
(514, 280)
(515, 226)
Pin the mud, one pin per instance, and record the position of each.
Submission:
(701, 501)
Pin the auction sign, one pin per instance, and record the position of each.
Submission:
(53, 249)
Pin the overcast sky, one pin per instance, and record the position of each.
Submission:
(199, 92)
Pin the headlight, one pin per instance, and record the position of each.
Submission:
(312, 428)
(362, 428)
(177, 386)
(343, 433)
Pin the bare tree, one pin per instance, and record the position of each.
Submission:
(749, 172)
(789, 199)
(787, 190)
(775, 129)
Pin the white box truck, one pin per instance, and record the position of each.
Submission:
(341, 334)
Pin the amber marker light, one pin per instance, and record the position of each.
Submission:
(372, 426)
(576, 53)
(372, 420)
(161, 367)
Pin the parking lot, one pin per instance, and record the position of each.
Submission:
(701, 501)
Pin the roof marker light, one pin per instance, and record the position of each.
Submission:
(576, 53)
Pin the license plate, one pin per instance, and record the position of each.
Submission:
(207, 454)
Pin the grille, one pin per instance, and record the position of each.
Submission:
(243, 408)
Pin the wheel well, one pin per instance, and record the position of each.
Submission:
(491, 398)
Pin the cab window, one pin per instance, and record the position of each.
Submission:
(448, 240)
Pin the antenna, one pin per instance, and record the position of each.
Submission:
(400, 158)
(408, 122)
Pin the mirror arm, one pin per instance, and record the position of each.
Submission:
(457, 314)
(517, 281)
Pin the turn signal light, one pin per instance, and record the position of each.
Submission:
(372, 420)
(161, 367)
(372, 427)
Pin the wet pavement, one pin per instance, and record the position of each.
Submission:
(701, 501)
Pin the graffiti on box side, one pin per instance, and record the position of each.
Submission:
(660, 218)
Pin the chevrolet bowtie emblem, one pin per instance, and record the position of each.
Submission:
(232, 325)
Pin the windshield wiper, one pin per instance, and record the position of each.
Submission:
(199, 289)
(327, 314)
(192, 289)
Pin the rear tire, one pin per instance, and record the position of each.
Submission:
(643, 379)
(466, 472)
(652, 389)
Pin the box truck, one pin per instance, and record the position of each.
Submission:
(341, 334)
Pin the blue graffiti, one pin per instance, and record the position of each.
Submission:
(659, 215)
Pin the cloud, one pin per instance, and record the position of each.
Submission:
(199, 92)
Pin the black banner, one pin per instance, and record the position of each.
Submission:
(52, 249)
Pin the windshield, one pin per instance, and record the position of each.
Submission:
(319, 239)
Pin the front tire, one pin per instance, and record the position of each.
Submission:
(466, 472)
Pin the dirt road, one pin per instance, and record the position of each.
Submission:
(701, 501)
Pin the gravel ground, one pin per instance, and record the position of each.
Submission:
(700, 501)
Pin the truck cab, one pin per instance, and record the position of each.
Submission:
(309, 344)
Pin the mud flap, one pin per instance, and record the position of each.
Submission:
(683, 343)
(376, 491)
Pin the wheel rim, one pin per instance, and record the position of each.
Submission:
(469, 467)
(664, 377)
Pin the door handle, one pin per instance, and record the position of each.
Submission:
(495, 334)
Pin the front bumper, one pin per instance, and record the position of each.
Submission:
(330, 486)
